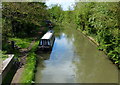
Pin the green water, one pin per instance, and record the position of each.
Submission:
(74, 59)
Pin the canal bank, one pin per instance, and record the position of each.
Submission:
(28, 68)
(28, 60)
(74, 59)
(93, 39)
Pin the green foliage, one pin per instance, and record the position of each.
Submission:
(22, 43)
(20, 22)
(56, 14)
(29, 69)
(30, 66)
(6, 47)
(99, 20)
(22, 19)
(3, 55)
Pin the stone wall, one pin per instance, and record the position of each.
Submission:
(7, 64)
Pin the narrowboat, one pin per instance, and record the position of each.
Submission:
(47, 41)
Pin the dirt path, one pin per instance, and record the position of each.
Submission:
(24, 53)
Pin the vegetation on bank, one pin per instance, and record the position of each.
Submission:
(30, 66)
(21, 22)
(3, 55)
(22, 43)
(99, 20)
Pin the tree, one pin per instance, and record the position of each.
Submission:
(20, 18)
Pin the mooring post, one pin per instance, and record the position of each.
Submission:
(12, 44)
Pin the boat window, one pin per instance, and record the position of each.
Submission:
(41, 42)
(45, 42)
(48, 42)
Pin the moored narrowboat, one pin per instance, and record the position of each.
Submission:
(47, 41)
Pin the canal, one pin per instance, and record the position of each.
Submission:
(74, 59)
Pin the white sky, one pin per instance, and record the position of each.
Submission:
(64, 3)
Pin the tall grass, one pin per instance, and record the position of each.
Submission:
(28, 73)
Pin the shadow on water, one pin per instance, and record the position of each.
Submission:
(45, 55)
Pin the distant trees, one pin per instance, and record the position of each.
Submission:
(56, 14)
(99, 20)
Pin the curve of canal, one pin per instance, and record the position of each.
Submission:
(74, 59)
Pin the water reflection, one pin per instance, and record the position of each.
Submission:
(75, 59)
(44, 54)
(59, 67)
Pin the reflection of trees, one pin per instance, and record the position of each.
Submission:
(44, 55)
(86, 53)
(88, 60)
(69, 32)
(58, 32)
(41, 57)
(40, 66)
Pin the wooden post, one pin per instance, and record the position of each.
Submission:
(12, 44)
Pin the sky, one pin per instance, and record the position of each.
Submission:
(65, 4)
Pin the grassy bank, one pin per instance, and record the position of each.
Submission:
(29, 71)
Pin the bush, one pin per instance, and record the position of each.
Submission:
(3, 55)
(22, 43)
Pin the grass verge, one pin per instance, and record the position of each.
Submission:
(29, 71)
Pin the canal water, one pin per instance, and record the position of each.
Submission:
(74, 59)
